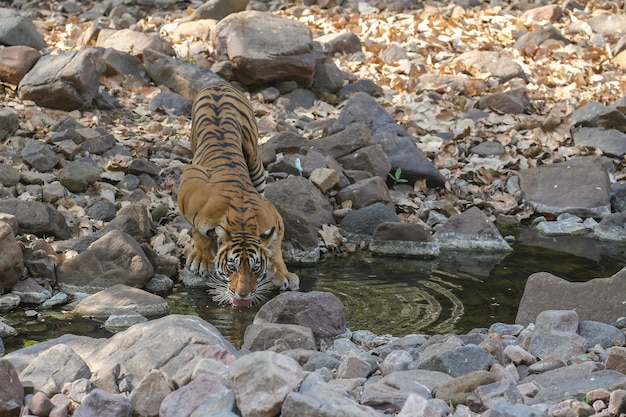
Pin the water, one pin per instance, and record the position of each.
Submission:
(455, 293)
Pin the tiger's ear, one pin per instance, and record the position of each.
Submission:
(268, 237)
(222, 235)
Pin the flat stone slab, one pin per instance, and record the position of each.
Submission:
(120, 298)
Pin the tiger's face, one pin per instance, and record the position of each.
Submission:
(241, 267)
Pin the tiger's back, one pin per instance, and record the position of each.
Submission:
(237, 232)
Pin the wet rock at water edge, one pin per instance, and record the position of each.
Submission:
(121, 298)
(470, 230)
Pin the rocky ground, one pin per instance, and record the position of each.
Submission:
(518, 114)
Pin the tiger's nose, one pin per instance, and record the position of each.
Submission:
(242, 294)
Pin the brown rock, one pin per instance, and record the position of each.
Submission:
(134, 42)
(11, 259)
(11, 390)
(16, 61)
(365, 192)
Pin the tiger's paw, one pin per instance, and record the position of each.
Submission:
(198, 264)
(289, 282)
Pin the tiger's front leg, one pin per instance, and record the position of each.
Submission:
(283, 279)
(201, 259)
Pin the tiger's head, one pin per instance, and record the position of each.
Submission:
(241, 267)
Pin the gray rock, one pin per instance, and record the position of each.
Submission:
(617, 402)
(281, 143)
(56, 300)
(172, 102)
(203, 396)
(470, 230)
(339, 43)
(367, 219)
(12, 392)
(16, 29)
(616, 359)
(30, 292)
(548, 188)
(39, 156)
(180, 77)
(368, 158)
(120, 62)
(459, 389)
(322, 312)
(47, 376)
(37, 218)
(9, 122)
(541, 287)
(9, 302)
(514, 101)
(324, 400)
(11, 258)
(344, 142)
(490, 64)
(488, 148)
(419, 381)
(123, 319)
(611, 142)
(263, 336)
(217, 9)
(361, 85)
(121, 298)
(612, 227)
(573, 381)
(262, 381)
(506, 409)
(417, 405)
(602, 334)
(328, 78)
(115, 258)
(67, 81)
(298, 164)
(397, 360)
(459, 361)
(76, 176)
(556, 334)
(596, 114)
(149, 393)
(383, 397)
(103, 404)
(407, 239)
(365, 193)
(135, 42)
(266, 48)
(608, 25)
(399, 146)
(298, 98)
(101, 210)
(493, 393)
(535, 38)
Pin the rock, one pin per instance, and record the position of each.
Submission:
(298, 164)
(611, 25)
(266, 48)
(37, 218)
(30, 292)
(39, 156)
(541, 287)
(9, 302)
(612, 142)
(48, 377)
(264, 336)
(505, 409)
(602, 334)
(573, 381)
(417, 405)
(122, 319)
(470, 230)
(134, 42)
(369, 158)
(11, 259)
(407, 239)
(419, 381)
(120, 62)
(514, 101)
(325, 179)
(217, 9)
(262, 381)
(56, 300)
(150, 392)
(205, 395)
(457, 390)
(115, 258)
(180, 77)
(459, 361)
(16, 29)
(283, 143)
(530, 41)
(344, 142)
(550, 13)
(15, 62)
(556, 334)
(596, 114)
(103, 404)
(365, 192)
(518, 355)
(612, 227)
(616, 359)
(11, 390)
(298, 98)
(548, 188)
(399, 146)
(489, 64)
(397, 360)
(101, 210)
(364, 221)
(120, 298)
(617, 402)
(324, 400)
(488, 148)
(76, 176)
(9, 122)
(491, 394)
(142, 348)
(172, 102)
(339, 43)
(328, 77)
(67, 81)
(382, 397)
(361, 85)
(353, 367)
(322, 312)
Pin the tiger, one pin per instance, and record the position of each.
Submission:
(237, 232)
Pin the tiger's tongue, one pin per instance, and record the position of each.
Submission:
(238, 302)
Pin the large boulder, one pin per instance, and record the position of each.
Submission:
(37, 218)
(11, 259)
(16, 29)
(545, 291)
(265, 48)
(67, 81)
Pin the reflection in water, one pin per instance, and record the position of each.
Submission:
(455, 293)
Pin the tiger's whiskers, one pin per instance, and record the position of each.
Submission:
(222, 294)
